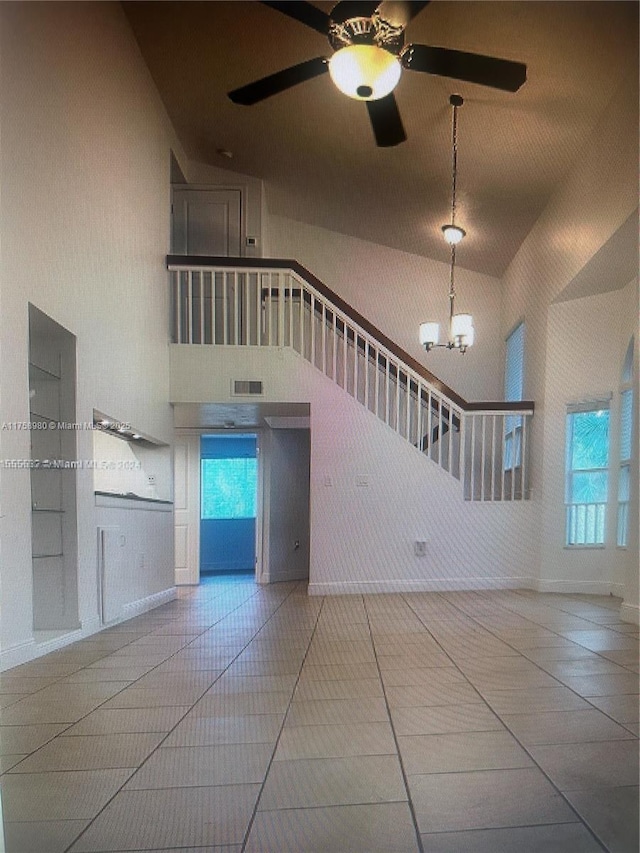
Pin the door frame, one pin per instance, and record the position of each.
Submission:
(190, 574)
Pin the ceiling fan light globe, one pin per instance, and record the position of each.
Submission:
(364, 72)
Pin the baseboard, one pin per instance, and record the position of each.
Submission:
(142, 605)
(630, 613)
(587, 587)
(15, 655)
(418, 585)
(30, 650)
(284, 578)
(90, 626)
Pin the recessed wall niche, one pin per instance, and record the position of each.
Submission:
(52, 405)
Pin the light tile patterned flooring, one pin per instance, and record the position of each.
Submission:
(240, 718)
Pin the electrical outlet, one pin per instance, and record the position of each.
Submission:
(151, 479)
(420, 548)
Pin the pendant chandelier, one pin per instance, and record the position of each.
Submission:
(461, 331)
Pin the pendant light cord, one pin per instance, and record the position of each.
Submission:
(455, 101)
(454, 161)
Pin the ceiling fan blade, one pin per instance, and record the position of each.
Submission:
(305, 13)
(257, 91)
(416, 7)
(472, 67)
(400, 12)
(347, 9)
(386, 122)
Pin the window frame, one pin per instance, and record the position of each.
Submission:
(579, 514)
(624, 461)
(513, 424)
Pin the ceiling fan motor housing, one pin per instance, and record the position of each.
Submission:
(372, 30)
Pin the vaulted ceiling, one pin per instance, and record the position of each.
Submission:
(314, 147)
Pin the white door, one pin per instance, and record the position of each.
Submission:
(186, 472)
(206, 222)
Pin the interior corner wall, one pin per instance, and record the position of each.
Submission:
(576, 371)
(396, 291)
(84, 225)
(596, 197)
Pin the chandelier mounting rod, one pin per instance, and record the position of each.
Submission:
(456, 101)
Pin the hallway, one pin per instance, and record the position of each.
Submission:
(244, 718)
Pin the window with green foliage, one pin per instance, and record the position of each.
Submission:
(513, 390)
(228, 488)
(587, 474)
(626, 433)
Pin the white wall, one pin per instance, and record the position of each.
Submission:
(84, 223)
(595, 199)
(579, 370)
(397, 291)
(372, 493)
(118, 470)
(144, 532)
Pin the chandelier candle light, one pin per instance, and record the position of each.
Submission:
(461, 331)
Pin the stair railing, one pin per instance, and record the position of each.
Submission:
(277, 303)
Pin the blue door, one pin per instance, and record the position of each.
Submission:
(228, 500)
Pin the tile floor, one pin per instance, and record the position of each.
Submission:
(240, 718)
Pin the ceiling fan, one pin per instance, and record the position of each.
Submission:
(369, 55)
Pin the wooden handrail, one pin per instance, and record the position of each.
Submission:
(188, 261)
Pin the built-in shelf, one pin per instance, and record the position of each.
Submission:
(129, 496)
(52, 401)
(37, 372)
(37, 416)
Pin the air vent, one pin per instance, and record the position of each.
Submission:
(246, 387)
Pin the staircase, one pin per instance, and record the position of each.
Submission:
(242, 302)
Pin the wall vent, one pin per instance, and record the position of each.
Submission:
(246, 387)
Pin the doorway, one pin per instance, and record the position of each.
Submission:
(206, 221)
(228, 504)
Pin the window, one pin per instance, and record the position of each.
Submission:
(587, 472)
(513, 390)
(229, 488)
(626, 432)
